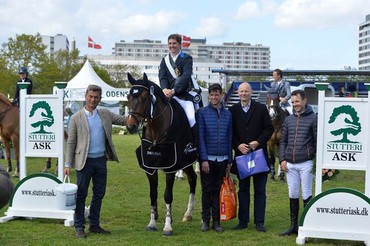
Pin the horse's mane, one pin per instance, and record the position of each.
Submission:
(4, 99)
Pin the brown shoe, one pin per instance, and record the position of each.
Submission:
(98, 229)
(80, 234)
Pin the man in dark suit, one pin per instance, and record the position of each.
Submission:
(252, 128)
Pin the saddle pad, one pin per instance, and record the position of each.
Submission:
(158, 156)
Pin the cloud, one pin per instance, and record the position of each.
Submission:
(210, 27)
(320, 14)
(252, 9)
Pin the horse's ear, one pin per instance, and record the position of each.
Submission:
(145, 77)
(131, 79)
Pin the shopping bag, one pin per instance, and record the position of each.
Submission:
(228, 201)
(252, 163)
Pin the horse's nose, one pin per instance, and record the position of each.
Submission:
(132, 128)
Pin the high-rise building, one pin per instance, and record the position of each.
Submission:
(235, 55)
(364, 45)
(55, 43)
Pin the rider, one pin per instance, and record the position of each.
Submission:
(23, 77)
(175, 77)
(283, 88)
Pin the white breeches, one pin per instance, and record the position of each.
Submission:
(188, 107)
(300, 174)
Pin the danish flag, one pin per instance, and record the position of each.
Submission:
(92, 44)
(185, 40)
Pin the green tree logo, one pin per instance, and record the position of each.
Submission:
(47, 116)
(352, 126)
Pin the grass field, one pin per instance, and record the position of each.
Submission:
(126, 210)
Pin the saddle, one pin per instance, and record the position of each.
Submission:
(177, 149)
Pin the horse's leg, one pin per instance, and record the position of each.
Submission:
(180, 174)
(47, 165)
(192, 180)
(15, 141)
(7, 155)
(153, 184)
(271, 151)
(168, 198)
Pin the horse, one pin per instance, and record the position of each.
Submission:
(164, 145)
(9, 131)
(278, 115)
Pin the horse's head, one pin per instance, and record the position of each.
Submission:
(272, 102)
(142, 101)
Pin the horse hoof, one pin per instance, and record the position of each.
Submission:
(9, 169)
(15, 175)
(187, 218)
(151, 228)
(167, 233)
(180, 178)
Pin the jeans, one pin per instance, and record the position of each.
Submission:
(95, 169)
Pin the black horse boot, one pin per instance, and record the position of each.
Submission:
(294, 209)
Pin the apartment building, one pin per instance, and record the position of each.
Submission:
(55, 43)
(364, 45)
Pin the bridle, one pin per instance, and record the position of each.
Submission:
(149, 116)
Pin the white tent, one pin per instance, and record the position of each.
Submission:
(76, 87)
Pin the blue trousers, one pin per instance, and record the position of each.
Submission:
(95, 169)
(259, 185)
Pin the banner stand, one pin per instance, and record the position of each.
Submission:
(342, 143)
(41, 135)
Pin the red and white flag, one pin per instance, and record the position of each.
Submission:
(92, 44)
(185, 40)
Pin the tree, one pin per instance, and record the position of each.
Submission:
(62, 66)
(118, 74)
(23, 50)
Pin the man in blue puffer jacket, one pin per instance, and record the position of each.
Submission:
(296, 153)
(215, 154)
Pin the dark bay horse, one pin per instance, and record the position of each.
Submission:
(278, 116)
(9, 131)
(165, 144)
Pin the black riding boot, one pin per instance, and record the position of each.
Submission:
(294, 209)
(305, 202)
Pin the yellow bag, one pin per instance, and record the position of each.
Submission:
(228, 201)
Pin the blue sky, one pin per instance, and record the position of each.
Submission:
(301, 34)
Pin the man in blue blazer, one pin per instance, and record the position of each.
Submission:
(252, 128)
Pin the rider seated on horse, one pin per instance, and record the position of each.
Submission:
(175, 76)
(283, 89)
